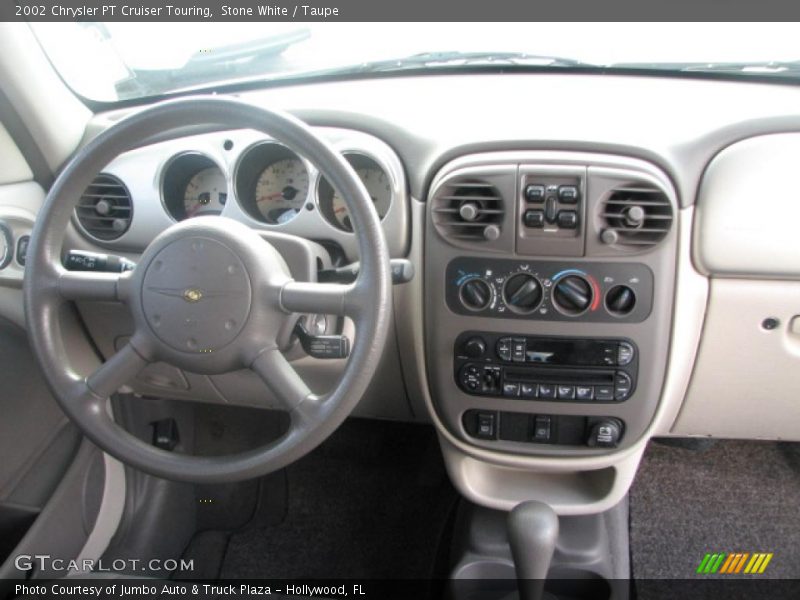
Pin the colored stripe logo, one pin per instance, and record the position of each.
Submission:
(731, 563)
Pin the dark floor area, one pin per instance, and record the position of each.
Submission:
(373, 501)
(732, 496)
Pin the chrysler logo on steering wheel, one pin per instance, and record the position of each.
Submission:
(192, 295)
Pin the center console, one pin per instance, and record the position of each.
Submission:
(548, 299)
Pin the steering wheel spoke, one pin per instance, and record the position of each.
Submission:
(116, 372)
(320, 298)
(281, 378)
(90, 285)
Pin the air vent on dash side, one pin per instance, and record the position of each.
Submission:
(637, 215)
(468, 210)
(105, 209)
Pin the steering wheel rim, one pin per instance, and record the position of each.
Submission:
(260, 275)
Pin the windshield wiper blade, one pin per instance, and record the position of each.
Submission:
(433, 60)
(769, 68)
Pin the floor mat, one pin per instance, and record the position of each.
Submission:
(373, 501)
(732, 497)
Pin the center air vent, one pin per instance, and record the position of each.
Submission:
(105, 209)
(636, 215)
(468, 210)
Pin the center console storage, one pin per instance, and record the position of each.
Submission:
(485, 563)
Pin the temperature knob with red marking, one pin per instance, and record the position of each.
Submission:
(572, 295)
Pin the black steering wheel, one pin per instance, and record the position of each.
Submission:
(209, 295)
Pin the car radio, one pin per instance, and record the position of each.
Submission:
(545, 368)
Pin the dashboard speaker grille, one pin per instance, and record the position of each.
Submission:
(468, 210)
(105, 209)
(636, 215)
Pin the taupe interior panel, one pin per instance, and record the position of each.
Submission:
(745, 382)
(748, 210)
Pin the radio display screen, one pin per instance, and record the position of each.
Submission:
(569, 352)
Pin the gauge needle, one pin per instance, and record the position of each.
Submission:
(270, 197)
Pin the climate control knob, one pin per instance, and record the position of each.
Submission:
(620, 300)
(572, 295)
(522, 293)
(475, 294)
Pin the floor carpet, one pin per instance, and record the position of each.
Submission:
(373, 501)
(733, 496)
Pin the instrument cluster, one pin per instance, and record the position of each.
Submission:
(271, 183)
(252, 178)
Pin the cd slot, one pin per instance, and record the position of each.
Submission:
(555, 375)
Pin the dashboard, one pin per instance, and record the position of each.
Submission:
(588, 274)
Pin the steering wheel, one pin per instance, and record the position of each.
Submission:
(208, 295)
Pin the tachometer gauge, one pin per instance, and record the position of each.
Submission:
(281, 190)
(206, 193)
(374, 178)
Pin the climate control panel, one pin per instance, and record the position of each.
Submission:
(549, 290)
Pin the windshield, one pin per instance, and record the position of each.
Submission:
(110, 62)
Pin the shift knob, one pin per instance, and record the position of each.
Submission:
(532, 533)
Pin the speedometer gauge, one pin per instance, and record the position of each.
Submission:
(374, 178)
(281, 190)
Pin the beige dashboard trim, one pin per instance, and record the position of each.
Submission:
(745, 384)
(13, 168)
(51, 112)
(572, 485)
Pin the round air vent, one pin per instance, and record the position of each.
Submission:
(105, 209)
(468, 210)
(636, 215)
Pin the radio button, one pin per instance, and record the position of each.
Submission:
(470, 378)
(610, 354)
(622, 386)
(518, 350)
(603, 393)
(528, 390)
(511, 389)
(474, 347)
(624, 354)
(491, 379)
(584, 392)
(503, 349)
(566, 392)
(547, 391)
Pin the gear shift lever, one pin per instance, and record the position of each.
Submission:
(532, 533)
